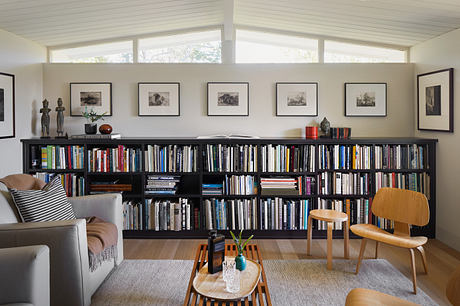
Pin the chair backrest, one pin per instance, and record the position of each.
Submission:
(401, 205)
(453, 287)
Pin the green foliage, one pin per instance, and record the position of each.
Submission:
(239, 243)
(92, 116)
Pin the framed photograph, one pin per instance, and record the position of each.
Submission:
(228, 99)
(7, 105)
(158, 99)
(297, 99)
(97, 96)
(435, 100)
(365, 99)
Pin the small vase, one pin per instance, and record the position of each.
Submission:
(90, 128)
(240, 261)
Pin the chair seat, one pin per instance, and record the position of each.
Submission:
(375, 233)
(364, 297)
(328, 215)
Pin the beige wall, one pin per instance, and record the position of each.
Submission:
(440, 53)
(22, 58)
(262, 77)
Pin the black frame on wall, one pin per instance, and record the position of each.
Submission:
(239, 83)
(91, 83)
(157, 83)
(13, 105)
(365, 83)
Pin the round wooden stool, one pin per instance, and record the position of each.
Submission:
(330, 216)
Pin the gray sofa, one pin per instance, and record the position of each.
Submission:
(25, 276)
(71, 282)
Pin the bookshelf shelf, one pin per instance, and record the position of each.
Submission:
(316, 156)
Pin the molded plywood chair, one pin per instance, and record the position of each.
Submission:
(364, 297)
(404, 207)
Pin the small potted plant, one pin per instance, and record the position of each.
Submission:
(92, 117)
(240, 260)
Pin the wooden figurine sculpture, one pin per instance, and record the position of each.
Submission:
(45, 111)
(60, 118)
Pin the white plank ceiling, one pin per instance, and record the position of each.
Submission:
(396, 22)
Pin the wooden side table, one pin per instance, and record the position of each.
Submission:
(330, 216)
(260, 295)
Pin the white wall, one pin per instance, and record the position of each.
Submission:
(439, 53)
(22, 58)
(262, 77)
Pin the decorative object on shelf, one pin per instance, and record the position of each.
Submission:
(435, 101)
(45, 120)
(325, 128)
(7, 128)
(216, 252)
(228, 99)
(158, 99)
(98, 96)
(240, 259)
(297, 99)
(105, 129)
(60, 119)
(311, 132)
(92, 117)
(365, 99)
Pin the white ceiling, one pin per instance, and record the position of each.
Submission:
(396, 22)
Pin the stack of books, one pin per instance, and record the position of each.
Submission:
(213, 189)
(109, 186)
(281, 186)
(161, 184)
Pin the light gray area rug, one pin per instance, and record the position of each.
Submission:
(291, 282)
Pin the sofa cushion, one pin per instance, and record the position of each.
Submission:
(48, 204)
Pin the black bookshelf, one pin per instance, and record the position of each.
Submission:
(139, 178)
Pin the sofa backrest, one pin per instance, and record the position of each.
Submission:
(8, 211)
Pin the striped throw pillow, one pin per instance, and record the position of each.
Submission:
(48, 204)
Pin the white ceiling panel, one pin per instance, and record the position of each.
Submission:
(394, 22)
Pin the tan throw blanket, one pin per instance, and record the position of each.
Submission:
(102, 241)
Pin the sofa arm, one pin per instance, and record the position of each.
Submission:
(108, 207)
(69, 268)
(25, 275)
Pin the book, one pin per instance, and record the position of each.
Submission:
(235, 136)
(96, 136)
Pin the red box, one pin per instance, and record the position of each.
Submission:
(311, 132)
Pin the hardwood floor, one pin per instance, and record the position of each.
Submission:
(442, 260)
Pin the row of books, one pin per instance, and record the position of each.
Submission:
(283, 158)
(222, 214)
(171, 158)
(401, 157)
(359, 211)
(282, 185)
(74, 185)
(338, 183)
(232, 185)
(412, 181)
(160, 215)
(283, 214)
(230, 158)
(120, 159)
(165, 184)
(345, 157)
(60, 157)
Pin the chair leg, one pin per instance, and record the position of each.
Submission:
(376, 249)
(361, 254)
(329, 245)
(346, 238)
(309, 235)
(412, 263)
(422, 252)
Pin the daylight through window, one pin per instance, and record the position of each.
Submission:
(116, 52)
(338, 52)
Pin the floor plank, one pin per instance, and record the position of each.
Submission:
(442, 260)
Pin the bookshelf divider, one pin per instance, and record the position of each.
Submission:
(417, 154)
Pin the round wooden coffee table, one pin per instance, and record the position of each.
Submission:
(330, 216)
(213, 285)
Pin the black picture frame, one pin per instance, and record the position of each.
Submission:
(278, 107)
(73, 110)
(10, 79)
(381, 111)
(210, 111)
(139, 94)
(422, 80)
